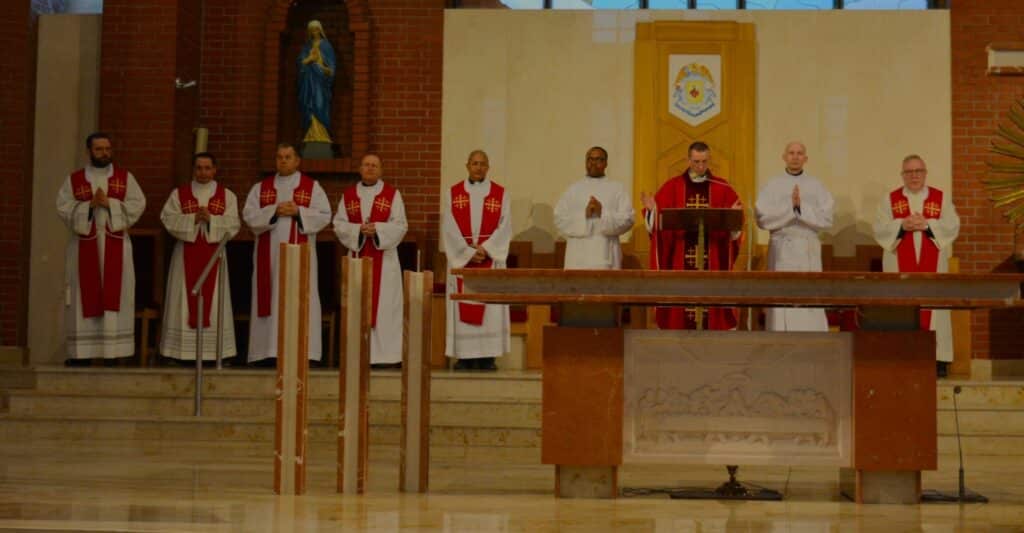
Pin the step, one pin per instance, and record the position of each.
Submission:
(473, 412)
(190, 429)
(972, 422)
(982, 394)
(445, 384)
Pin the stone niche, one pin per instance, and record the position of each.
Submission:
(346, 29)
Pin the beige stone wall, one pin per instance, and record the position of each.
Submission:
(67, 97)
(536, 89)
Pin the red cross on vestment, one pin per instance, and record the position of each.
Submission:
(83, 192)
(352, 206)
(116, 187)
(268, 197)
(191, 206)
(698, 201)
(932, 209)
(302, 197)
(492, 205)
(216, 205)
(460, 201)
(901, 207)
(382, 204)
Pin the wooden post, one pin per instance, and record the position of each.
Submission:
(354, 374)
(290, 432)
(414, 463)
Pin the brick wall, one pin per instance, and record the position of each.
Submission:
(137, 95)
(17, 89)
(979, 102)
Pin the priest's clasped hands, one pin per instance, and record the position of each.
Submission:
(647, 199)
(99, 199)
(915, 222)
(480, 256)
(593, 208)
(796, 196)
(368, 229)
(287, 209)
(203, 215)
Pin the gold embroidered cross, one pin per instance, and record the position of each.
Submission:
(352, 207)
(216, 205)
(492, 205)
(460, 201)
(268, 197)
(698, 201)
(84, 192)
(302, 197)
(691, 314)
(691, 257)
(901, 207)
(190, 206)
(932, 209)
(115, 187)
(382, 204)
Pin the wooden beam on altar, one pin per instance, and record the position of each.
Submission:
(354, 375)
(733, 288)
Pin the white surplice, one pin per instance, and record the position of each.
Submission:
(795, 245)
(946, 228)
(386, 336)
(263, 330)
(177, 339)
(593, 243)
(113, 334)
(492, 338)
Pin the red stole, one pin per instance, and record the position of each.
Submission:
(668, 248)
(268, 195)
(906, 256)
(100, 292)
(380, 212)
(473, 312)
(198, 253)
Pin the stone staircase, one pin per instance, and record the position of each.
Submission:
(473, 416)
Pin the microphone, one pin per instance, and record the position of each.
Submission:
(963, 495)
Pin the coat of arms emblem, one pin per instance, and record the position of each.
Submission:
(694, 93)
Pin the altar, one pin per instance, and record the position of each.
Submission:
(862, 401)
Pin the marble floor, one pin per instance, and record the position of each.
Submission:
(109, 486)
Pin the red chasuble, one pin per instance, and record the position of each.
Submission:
(100, 292)
(268, 196)
(473, 312)
(906, 255)
(380, 212)
(677, 249)
(198, 253)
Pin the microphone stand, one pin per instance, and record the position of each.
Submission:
(963, 495)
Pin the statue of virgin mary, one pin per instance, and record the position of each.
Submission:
(317, 65)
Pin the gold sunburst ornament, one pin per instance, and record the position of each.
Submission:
(1006, 174)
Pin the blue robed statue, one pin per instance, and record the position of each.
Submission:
(316, 83)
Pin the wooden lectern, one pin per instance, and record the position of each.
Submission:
(701, 220)
(863, 402)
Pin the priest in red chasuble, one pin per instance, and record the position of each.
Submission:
(288, 207)
(199, 215)
(916, 225)
(677, 250)
(371, 222)
(98, 204)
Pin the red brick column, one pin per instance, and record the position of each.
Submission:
(17, 93)
(979, 103)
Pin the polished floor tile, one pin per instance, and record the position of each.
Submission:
(111, 486)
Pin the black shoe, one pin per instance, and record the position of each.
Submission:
(463, 364)
(942, 369)
(386, 366)
(77, 362)
(486, 364)
(269, 362)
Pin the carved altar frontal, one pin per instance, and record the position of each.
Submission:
(727, 397)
